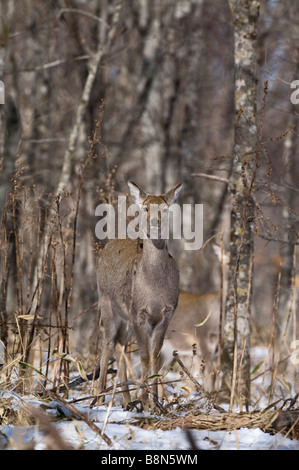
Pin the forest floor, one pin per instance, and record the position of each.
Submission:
(188, 422)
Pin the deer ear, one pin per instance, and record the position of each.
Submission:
(137, 194)
(172, 195)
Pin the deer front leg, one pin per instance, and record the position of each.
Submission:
(143, 338)
(157, 340)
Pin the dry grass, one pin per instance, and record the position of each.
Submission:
(285, 422)
(38, 256)
(39, 252)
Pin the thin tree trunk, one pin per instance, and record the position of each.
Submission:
(151, 124)
(236, 347)
(93, 67)
(68, 156)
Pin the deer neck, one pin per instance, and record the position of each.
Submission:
(154, 254)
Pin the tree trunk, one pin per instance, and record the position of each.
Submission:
(236, 337)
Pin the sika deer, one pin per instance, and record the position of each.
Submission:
(188, 327)
(196, 321)
(138, 284)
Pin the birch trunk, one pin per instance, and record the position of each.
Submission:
(236, 336)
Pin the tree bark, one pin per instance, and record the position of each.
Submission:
(236, 337)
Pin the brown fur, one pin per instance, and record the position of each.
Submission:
(182, 333)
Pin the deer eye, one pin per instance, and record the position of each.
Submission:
(145, 208)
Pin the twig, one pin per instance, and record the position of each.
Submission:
(108, 411)
(220, 179)
(74, 383)
(54, 63)
(80, 415)
(184, 368)
(107, 391)
(93, 67)
(80, 12)
(68, 161)
(279, 240)
(292, 401)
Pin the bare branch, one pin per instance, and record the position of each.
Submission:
(81, 415)
(48, 65)
(81, 12)
(279, 240)
(93, 67)
(211, 177)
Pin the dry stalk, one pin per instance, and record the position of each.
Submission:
(270, 421)
(53, 438)
(198, 387)
(84, 418)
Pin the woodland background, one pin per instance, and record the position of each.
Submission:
(100, 92)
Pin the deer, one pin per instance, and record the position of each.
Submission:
(196, 321)
(138, 287)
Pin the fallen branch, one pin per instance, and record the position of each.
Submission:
(81, 416)
(285, 422)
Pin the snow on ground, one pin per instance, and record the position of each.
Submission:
(127, 436)
(121, 428)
